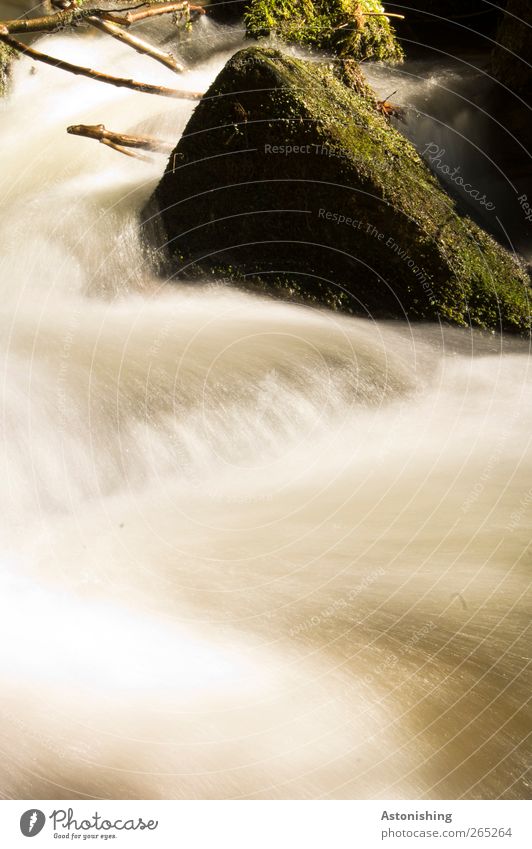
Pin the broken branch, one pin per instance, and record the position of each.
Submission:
(99, 133)
(120, 82)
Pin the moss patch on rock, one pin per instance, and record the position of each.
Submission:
(6, 57)
(355, 28)
(288, 180)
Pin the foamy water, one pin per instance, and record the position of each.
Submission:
(249, 549)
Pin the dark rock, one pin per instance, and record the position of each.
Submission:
(289, 181)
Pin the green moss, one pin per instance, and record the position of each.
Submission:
(350, 74)
(356, 28)
(6, 57)
(228, 200)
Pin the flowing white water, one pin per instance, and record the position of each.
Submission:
(249, 549)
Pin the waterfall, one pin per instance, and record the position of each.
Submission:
(249, 549)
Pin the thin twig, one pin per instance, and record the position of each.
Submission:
(137, 44)
(360, 15)
(120, 82)
(99, 133)
(382, 15)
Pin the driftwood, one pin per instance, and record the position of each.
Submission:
(122, 140)
(120, 82)
(137, 44)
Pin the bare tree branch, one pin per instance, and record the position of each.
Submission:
(76, 16)
(48, 23)
(120, 82)
(137, 44)
(99, 133)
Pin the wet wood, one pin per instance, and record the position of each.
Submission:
(120, 82)
(101, 134)
(137, 44)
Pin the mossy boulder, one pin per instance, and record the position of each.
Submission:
(355, 28)
(511, 56)
(287, 180)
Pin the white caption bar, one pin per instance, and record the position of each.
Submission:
(267, 825)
